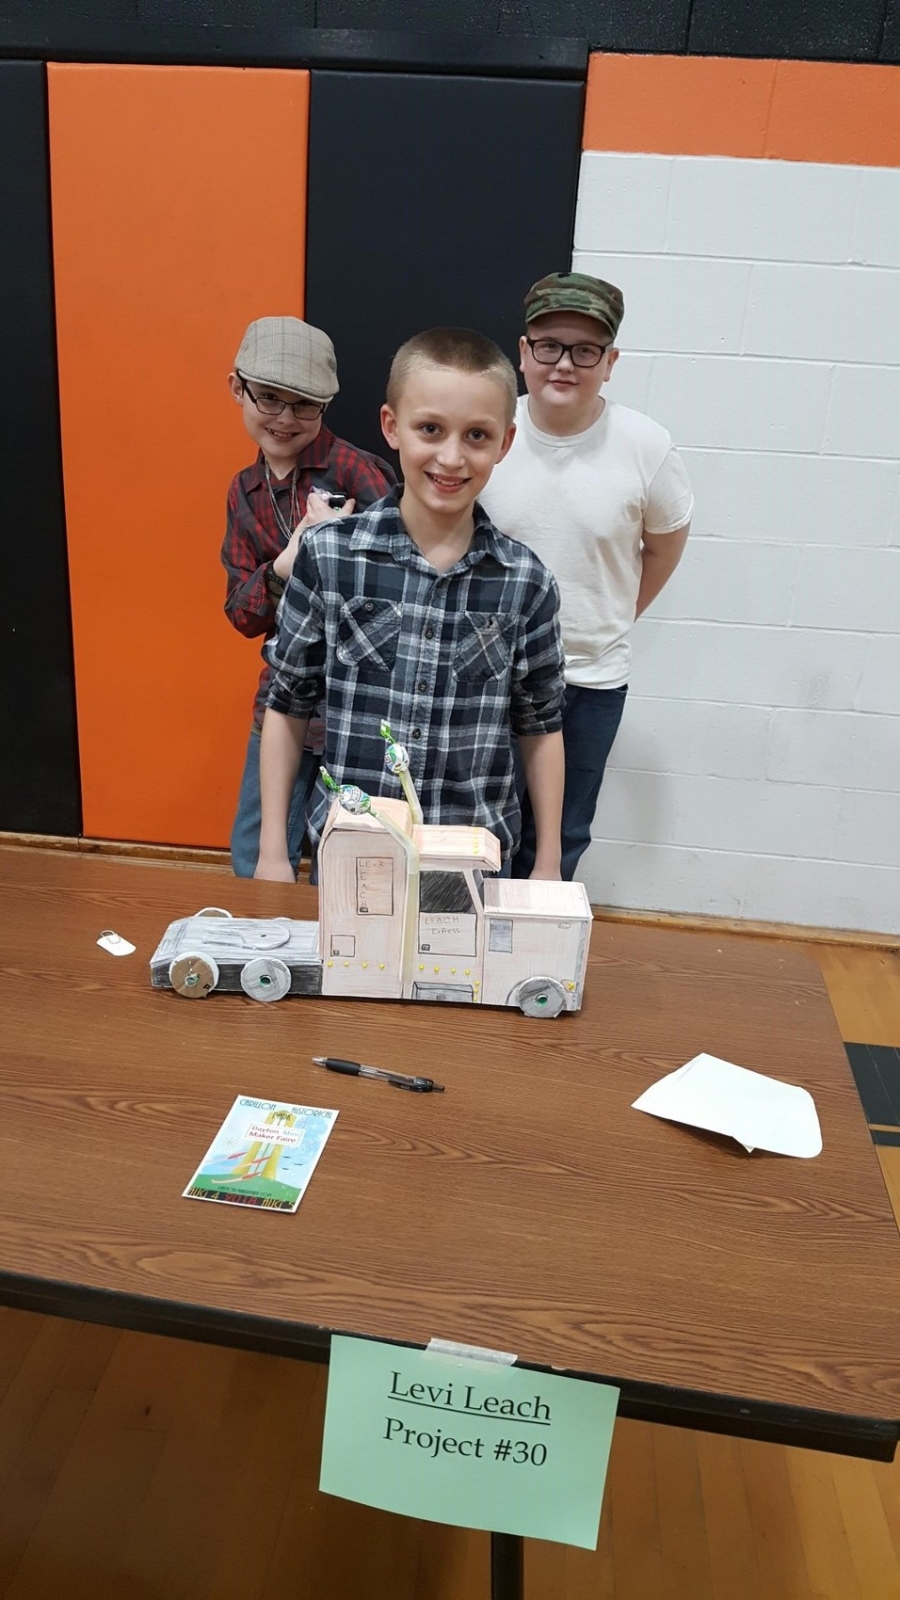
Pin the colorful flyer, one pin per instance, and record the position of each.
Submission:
(263, 1155)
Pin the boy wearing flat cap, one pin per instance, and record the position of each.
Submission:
(598, 492)
(284, 376)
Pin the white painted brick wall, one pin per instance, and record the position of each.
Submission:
(756, 818)
(623, 202)
(822, 500)
(879, 684)
(736, 884)
(740, 403)
(847, 314)
(876, 239)
(748, 666)
(864, 411)
(855, 589)
(860, 750)
(867, 828)
(723, 741)
(721, 580)
(761, 210)
(757, 772)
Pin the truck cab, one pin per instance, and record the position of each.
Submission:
(424, 916)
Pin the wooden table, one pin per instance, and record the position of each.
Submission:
(528, 1208)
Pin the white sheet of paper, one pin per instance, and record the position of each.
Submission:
(761, 1113)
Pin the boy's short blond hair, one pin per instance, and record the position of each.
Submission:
(456, 350)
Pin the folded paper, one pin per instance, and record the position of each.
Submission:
(762, 1113)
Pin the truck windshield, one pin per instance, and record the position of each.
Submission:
(446, 891)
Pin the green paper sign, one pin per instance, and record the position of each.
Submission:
(469, 1442)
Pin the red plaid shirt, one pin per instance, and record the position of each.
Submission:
(253, 537)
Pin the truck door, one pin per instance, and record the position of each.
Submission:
(449, 955)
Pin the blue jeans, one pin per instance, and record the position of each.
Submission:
(245, 832)
(591, 720)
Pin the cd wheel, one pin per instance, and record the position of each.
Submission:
(193, 976)
(539, 997)
(266, 979)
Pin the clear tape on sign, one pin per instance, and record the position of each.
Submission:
(468, 1352)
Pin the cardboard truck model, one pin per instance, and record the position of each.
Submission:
(407, 910)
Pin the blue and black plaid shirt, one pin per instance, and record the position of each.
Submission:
(459, 662)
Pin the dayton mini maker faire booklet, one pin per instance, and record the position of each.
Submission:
(263, 1155)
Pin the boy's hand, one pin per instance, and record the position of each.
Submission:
(548, 871)
(283, 565)
(317, 510)
(275, 869)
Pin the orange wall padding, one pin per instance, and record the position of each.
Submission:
(179, 215)
(707, 105)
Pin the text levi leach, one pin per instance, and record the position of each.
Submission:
(465, 1400)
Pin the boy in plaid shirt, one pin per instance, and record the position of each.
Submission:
(284, 376)
(418, 610)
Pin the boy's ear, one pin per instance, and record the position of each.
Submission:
(508, 437)
(610, 360)
(235, 385)
(389, 426)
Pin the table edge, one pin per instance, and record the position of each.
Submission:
(871, 1438)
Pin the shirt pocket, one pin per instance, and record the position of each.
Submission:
(484, 649)
(368, 633)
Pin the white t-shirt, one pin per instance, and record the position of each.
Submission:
(582, 504)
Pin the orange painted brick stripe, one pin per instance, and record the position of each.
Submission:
(709, 105)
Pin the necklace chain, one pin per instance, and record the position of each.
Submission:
(293, 506)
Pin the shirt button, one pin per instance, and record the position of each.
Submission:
(429, 633)
(417, 733)
(369, 605)
(422, 685)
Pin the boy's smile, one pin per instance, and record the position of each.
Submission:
(450, 429)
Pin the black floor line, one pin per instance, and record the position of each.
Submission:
(876, 1072)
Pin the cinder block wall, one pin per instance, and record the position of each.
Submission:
(757, 773)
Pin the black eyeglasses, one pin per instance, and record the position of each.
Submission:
(549, 351)
(271, 406)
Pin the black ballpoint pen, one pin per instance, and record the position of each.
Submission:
(357, 1069)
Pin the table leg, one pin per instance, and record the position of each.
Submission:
(507, 1565)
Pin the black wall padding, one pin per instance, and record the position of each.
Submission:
(828, 30)
(641, 25)
(890, 44)
(432, 200)
(39, 782)
(274, 32)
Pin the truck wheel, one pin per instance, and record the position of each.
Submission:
(193, 976)
(539, 997)
(213, 911)
(266, 979)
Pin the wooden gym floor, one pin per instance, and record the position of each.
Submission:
(138, 1468)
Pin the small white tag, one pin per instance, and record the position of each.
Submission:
(114, 943)
(469, 1352)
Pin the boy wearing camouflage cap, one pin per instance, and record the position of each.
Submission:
(284, 377)
(599, 493)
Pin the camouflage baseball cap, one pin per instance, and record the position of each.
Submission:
(575, 291)
(291, 355)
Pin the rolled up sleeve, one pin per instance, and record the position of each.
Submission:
(538, 682)
(296, 653)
